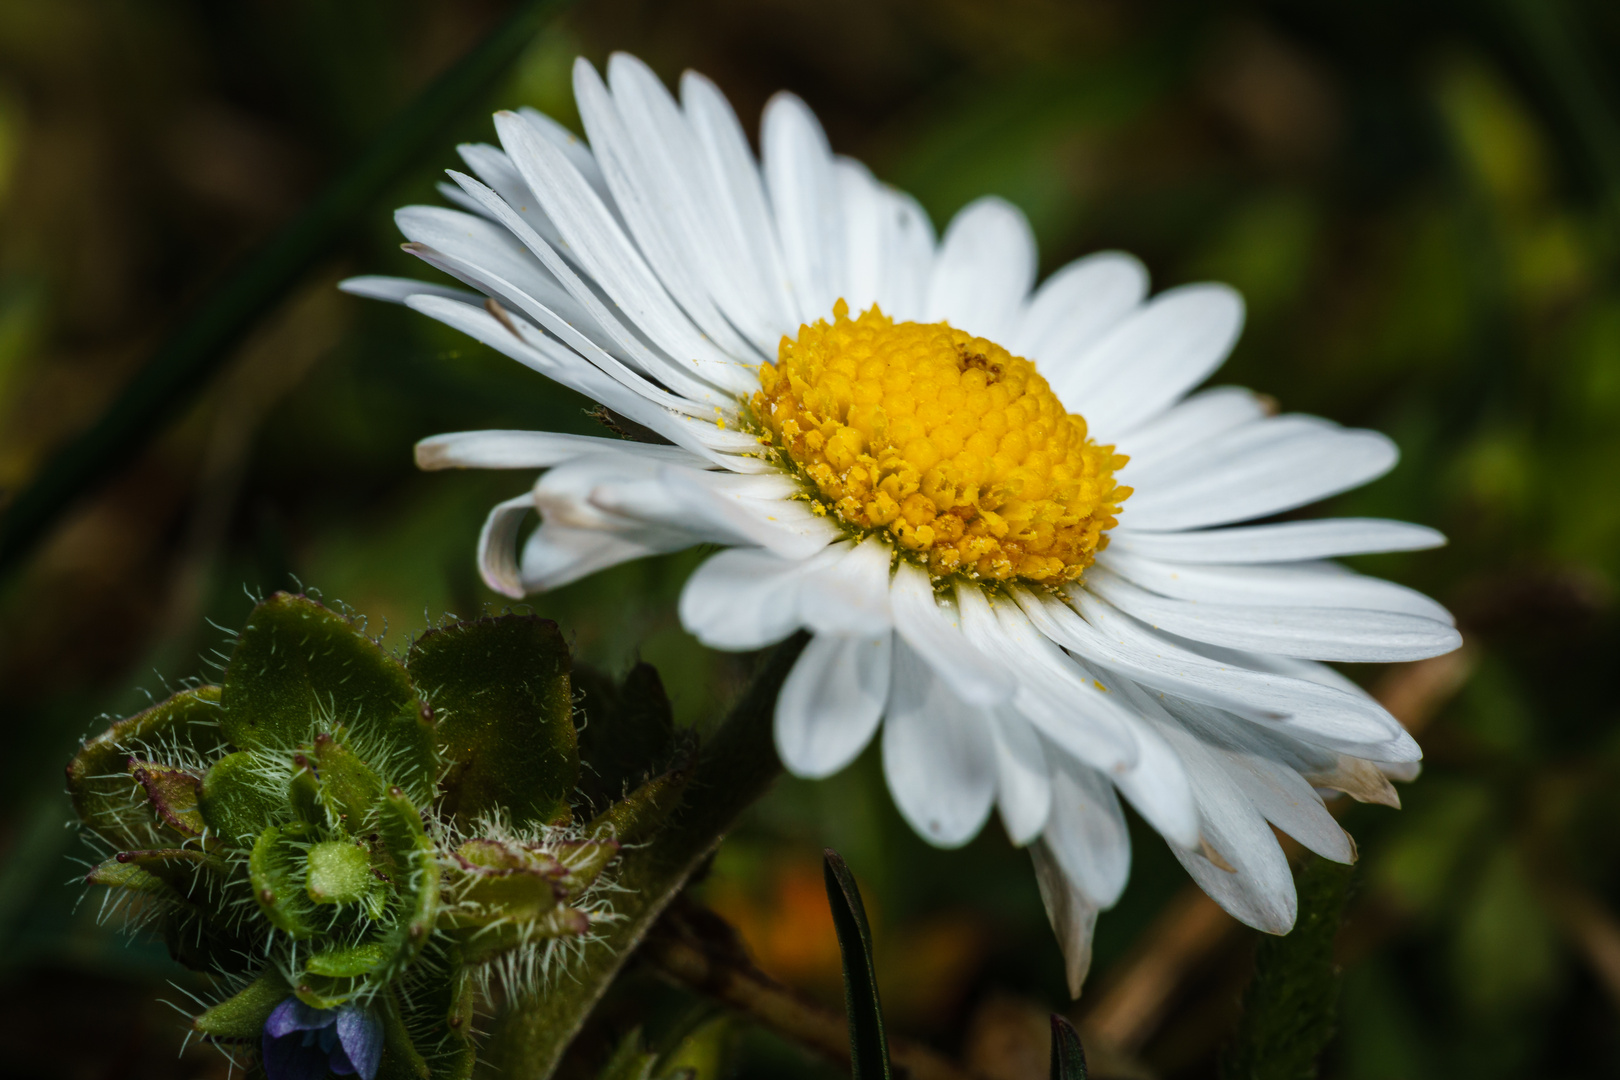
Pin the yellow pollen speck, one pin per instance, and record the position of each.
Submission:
(948, 443)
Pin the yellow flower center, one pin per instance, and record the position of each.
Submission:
(954, 447)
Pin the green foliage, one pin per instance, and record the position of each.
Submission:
(337, 825)
(1290, 1005)
(499, 693)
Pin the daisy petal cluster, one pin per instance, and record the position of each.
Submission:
(1011, 521)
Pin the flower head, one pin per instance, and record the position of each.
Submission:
(305, 1043)
(1013, 528)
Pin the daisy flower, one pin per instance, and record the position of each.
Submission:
(1010, 524)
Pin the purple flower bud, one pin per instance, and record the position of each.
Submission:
(305, 1043)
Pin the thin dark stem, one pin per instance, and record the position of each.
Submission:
(184, 364)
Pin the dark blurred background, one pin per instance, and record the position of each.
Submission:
(1420, 201)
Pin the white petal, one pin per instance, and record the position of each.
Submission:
(497, 546)
(573, 148)
(1072, 913)
(865, 242)
(1259, 889)
(491, 165)
(1075, 306)
(908, 256)
(1314, 584)
(830, 704)
(1187, 424)
(1152, 358)
(649, 159)
(1156, 784)
(938, 755)
(556, 555)
(745, 224)
(1261, 468)
(1314, 633)
(531, 450)
(984, 269)
(1052, 692)
(935, 632)
(454, 195)
(519, 339)
(692, 396)
(1322, 714)
(603, 337)
(747, 598)
(804, 198)
(607, 255)
(1086, 833)
(1275, 789)
(1023, 780)
(722, 507)
(483, 253)
(395, 290)
(850, 595)
(1287, 541)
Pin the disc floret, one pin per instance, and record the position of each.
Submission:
(956, 449)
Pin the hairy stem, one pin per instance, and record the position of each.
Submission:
(735, 768)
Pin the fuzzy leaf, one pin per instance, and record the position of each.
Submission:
(233, 799)
(868, 1043)
(273, 870)
(304, 794)
(501, 703)
(242, 1017)
(178, 867)
(413, 870)
(298, 668)
(349, 788)
(339, 873)
(643, 812)
(401, 1060)
(628, 735)
(127, 875)
(172, 793)
(1068, 1057)
(349, 962)
(583, 862)
(506, 895)
(98, 777)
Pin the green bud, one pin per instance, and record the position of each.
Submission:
(339, 873)
(334, 824)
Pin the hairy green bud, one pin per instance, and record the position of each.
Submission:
(393, 836)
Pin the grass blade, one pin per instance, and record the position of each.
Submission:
(1068, 1059)
(868, 1045)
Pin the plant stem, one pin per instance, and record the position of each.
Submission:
(184, 363)
(735, 768)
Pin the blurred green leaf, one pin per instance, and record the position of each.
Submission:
(1504, 946)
